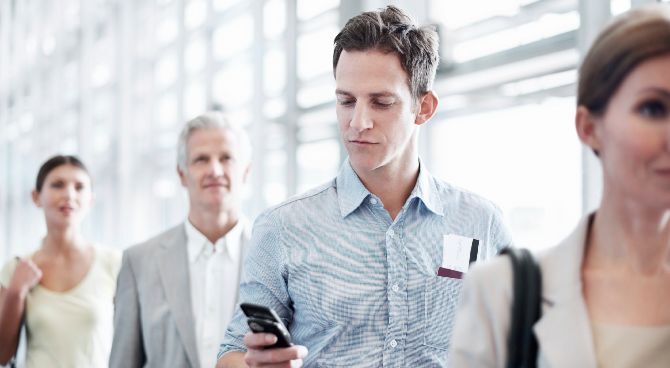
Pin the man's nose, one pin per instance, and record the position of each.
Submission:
(361, 120)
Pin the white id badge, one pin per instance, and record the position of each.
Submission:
(458, 252)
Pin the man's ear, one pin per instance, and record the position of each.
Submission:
(182, 176)
(427, 107)
(36, 198)
(588, 128)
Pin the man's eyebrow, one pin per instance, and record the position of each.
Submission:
(373, 95)
(341, 92)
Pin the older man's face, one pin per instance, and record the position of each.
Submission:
(215, 171)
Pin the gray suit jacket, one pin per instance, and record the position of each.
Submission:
(153, 316)
(563, 331)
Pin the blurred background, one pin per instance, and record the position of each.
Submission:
(113, 81)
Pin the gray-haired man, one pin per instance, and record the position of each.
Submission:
(177, 291)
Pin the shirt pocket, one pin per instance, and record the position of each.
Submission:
(441, 296)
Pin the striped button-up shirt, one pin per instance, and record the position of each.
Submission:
(355, 287)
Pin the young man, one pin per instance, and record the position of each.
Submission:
(177, 291)
(355, 268)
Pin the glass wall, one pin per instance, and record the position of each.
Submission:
(114, 80)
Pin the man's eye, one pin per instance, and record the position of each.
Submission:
(653, 109)
(345, 102)
(383, 104)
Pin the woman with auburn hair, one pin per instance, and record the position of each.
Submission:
(63, 292)
(605, 298)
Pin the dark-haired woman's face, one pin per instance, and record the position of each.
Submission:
(65, 196)
(634, 135)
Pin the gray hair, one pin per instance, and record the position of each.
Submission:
(212, 120)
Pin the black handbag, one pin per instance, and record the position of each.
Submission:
(522, 345)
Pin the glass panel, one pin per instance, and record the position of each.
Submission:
(195, 101)
(274, 190)
(530, 167)
(317, 163)
(315, 52)
(274, 17)
(166, 70)
(274, 66)
(195, 13)
(195, 54)
(233, 37)
(309, 8)
(166, 110)
(233, 86)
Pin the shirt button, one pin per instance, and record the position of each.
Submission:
(373, 201)
(394, 343)
(395, 287)
(391, 233)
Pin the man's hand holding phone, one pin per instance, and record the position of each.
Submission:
(260, 352)
(269, 342)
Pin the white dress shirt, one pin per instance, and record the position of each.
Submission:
(214, 270)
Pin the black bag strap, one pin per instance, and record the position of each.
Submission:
(522, 345)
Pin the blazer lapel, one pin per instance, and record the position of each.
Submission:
(564, 330)
(175, 276)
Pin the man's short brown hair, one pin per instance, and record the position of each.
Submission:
(392, 30)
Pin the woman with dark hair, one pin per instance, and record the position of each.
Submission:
(63, 291)
(606, 288)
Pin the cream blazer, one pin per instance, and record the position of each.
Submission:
(563, 331)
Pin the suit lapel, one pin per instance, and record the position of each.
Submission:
(175, 277)
(564, 330)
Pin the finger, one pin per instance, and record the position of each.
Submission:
(259, 340)
(278, 355)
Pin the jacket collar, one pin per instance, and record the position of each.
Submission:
(564, 330)
(175, 278)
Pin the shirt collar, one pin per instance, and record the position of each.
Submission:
(426, 190)
(230, 243)
(351, 192)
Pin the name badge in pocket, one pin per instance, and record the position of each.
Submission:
(458, 252)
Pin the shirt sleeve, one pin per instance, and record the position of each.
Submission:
(7, 271)
(501, 236)
(264, 279)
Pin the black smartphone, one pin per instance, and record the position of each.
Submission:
(263, 319)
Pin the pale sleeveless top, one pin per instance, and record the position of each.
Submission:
(632, 346)
(72, 329)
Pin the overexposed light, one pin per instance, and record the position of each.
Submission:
(274, 69)
(195, 100)
(101, 75)
(546, 26)
(233, 37)
(195, 13)
(315, 52)
(310, 8)
(166, 70)
(274, 108)
(274, 18)
(26, 122)
(537, 84)
(457, 14)
(164, 188)
(233, 85)
(166, 31)
(195, 54)
(619, 6)
(48, 44)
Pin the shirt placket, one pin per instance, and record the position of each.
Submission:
(394, 343)
(209, 333)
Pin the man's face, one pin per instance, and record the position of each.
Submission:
(374, 110)
(215, 172)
